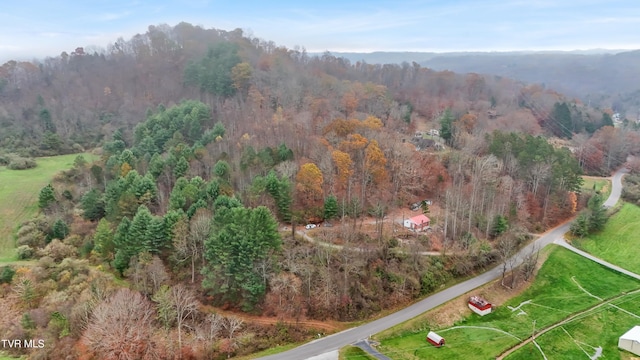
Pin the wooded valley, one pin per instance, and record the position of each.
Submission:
(216, 149)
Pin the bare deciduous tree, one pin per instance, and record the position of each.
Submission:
(529, 263)
(185, 305)
(232, 324)
(121, 327)
(507, 247)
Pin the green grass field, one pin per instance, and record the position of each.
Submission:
(581, 338)
(19, 191)
(555, 295)
(618, 243)
(602, 185)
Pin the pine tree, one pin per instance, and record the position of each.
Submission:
(181, 168)
(598, 216)
(446, 126)
(138, 235)
(330, 207)
(103, 240)
(46, 197)
(239, 240)
(122, 246)
(60, 230)
(92, 205)
(157, 235)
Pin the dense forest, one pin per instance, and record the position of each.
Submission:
(216, 149)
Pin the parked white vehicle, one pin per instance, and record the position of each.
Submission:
(310, 226)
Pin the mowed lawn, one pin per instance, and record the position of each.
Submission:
(19, 191)
(566, 284)
(619, 241)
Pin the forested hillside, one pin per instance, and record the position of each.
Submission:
(604, 79)
(216, 149)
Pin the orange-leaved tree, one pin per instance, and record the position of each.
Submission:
(309, 182)
(375, 163)
(344, 164)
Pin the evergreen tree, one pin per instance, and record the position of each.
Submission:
(181, 168)
(46, 197)
(425, 207)
(284, 153)
(222, 170)
(598, 216)
(580, 227)
(560, 120)
(500, 225)
(213, 72)
(60, 229)
(103, 240)
(239, 240)
(138, 234)
(218, 130)
(157, 235)
(79, 162)
(92, 205)
(156, 165)
(280, 191)
(47, 123)
(446, 126)
(123, 247)
(330, 207)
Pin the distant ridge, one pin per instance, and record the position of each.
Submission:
(602, 77)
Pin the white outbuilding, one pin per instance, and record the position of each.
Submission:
(630, 341)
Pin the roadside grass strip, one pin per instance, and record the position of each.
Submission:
(567, 290)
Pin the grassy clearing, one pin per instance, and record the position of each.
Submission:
(554, 296)
(597, 184)
(580, 338)
(353, 353)
(618, 242)
(19, 195)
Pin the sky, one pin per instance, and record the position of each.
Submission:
(39, 28)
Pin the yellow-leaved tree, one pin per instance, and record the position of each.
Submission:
(309, 182)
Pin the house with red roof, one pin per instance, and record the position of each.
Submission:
(417, 223)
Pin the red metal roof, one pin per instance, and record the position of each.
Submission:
(420, 219)
(479, 303)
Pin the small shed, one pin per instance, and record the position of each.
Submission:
(435, 339)
(479, 305)
(630, 341)
(418, 223)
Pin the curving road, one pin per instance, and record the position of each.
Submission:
(353, 335)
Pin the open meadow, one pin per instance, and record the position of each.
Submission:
(597, 184)
(567, 285)
(19, 191)
(618, 243)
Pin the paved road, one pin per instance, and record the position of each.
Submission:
(366, 346)
(353, 335)
(616, 188)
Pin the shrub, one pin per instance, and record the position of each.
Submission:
(25, 252)
(58, 250)
(19, 163)
(6, 275)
